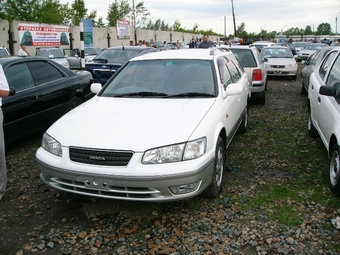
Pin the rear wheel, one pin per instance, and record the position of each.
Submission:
(216, 185)
(75, 101)
(261, 99)
(334, 170)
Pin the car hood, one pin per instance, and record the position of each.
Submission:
(280, 61)
(307, 51)
(130, 123)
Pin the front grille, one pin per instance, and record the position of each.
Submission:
(100, 157)
(277, 66)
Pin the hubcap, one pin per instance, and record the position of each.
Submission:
(334, 168)
(219, 166)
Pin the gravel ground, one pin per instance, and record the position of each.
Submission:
(35, 219)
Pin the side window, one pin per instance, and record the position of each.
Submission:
(334, 75)
(43, 72)
(235, 74)
(326, 64)
(19, 77)
(225, 75)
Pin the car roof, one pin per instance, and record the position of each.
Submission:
(202, 54)
(137, 48)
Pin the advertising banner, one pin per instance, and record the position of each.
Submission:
(43, 34)
(88, 36)
(123, 29)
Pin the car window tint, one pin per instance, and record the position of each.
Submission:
(326, 64)
(334, 75)
(19, 77)
(225, 75)
(43, 72)
(245, 57)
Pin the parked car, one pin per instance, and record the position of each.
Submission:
(299, 46)
(74, 56)
(53, 53)
(104, 65)
(310, 64)
(4, 51)
(279, 61)
(44, 91)
(166, 119)
(324, 112)
(170, 46)
(309, 50)
(183, 45)
(160, 45)
(255, 68)
(261, 44)
(289, 46)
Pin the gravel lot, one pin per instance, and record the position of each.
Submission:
(35, 219)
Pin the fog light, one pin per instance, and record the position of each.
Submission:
(185, 188)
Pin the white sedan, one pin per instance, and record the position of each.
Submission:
(157, 131)
(324, 112)
(279, 61)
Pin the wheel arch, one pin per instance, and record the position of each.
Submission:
(332, 141)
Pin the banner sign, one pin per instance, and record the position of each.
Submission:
(88, 37)
(123, 29)
(43, 34)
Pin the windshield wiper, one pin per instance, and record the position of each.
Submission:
(192, 94)
(142, 94)
(100, 60)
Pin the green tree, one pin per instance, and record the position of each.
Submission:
(117, 10)
(308, 30)
(78, 12)
(324, 29)
(177, 25)
(141, 14)
(52, 12)
(22, 10)
(241, 31)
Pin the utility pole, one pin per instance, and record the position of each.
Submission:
(232, 8)
(134, 21)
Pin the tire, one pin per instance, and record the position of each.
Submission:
(294, 77)
(244, 124)
(311, 129)
(334, 170)
(216, 185)
(261, 99)
(75, 101)
(303, 89)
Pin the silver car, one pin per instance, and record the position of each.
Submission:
(310, 64)
(255, 69)
(53, 53)
(307, 51)
(279, 61)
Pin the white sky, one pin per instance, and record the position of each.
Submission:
(256, 14)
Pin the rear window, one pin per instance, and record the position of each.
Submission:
(245, 57)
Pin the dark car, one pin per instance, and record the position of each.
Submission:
(4, 51)
(310, 64)
(290, 46)
(44, 91)
(104, 65)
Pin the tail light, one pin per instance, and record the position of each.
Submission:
(257, 75)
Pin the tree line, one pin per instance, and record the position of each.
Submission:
(53, 12)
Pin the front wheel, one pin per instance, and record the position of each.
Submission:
(311, 128)
(74, 102)
(216, 185)
(334, 170)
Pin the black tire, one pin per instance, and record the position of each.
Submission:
(244, 124)
(294, 77)
(261, 98)
(334, 170)
(75, 101)
(216, 185)
(311, 129)
(303, 89)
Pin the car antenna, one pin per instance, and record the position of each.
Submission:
(123, 46)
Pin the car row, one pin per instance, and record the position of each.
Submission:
(43, 91)
(53, 53)
(309, 49)
(74, 56)
(324, 111)
(166, 119)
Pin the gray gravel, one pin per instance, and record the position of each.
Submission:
(35, 219)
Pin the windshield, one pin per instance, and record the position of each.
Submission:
(92, 51)
(116, 55)
(3, 52)
(313, 47)
(276, 53)
(163, 78)
(50, 53)
(299, 44)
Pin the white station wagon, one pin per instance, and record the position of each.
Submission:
(157, 131)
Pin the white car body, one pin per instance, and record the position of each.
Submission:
(310, 49)
(324, 111)
(138, 125)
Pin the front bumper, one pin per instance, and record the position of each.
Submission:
(110, 182)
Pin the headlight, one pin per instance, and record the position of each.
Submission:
(176, 152)
(292, 65)
(51, 145)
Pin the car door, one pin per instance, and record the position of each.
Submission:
(232, 106)
(328, 107)
(19, 108)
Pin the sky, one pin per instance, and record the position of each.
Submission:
(270, 15)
